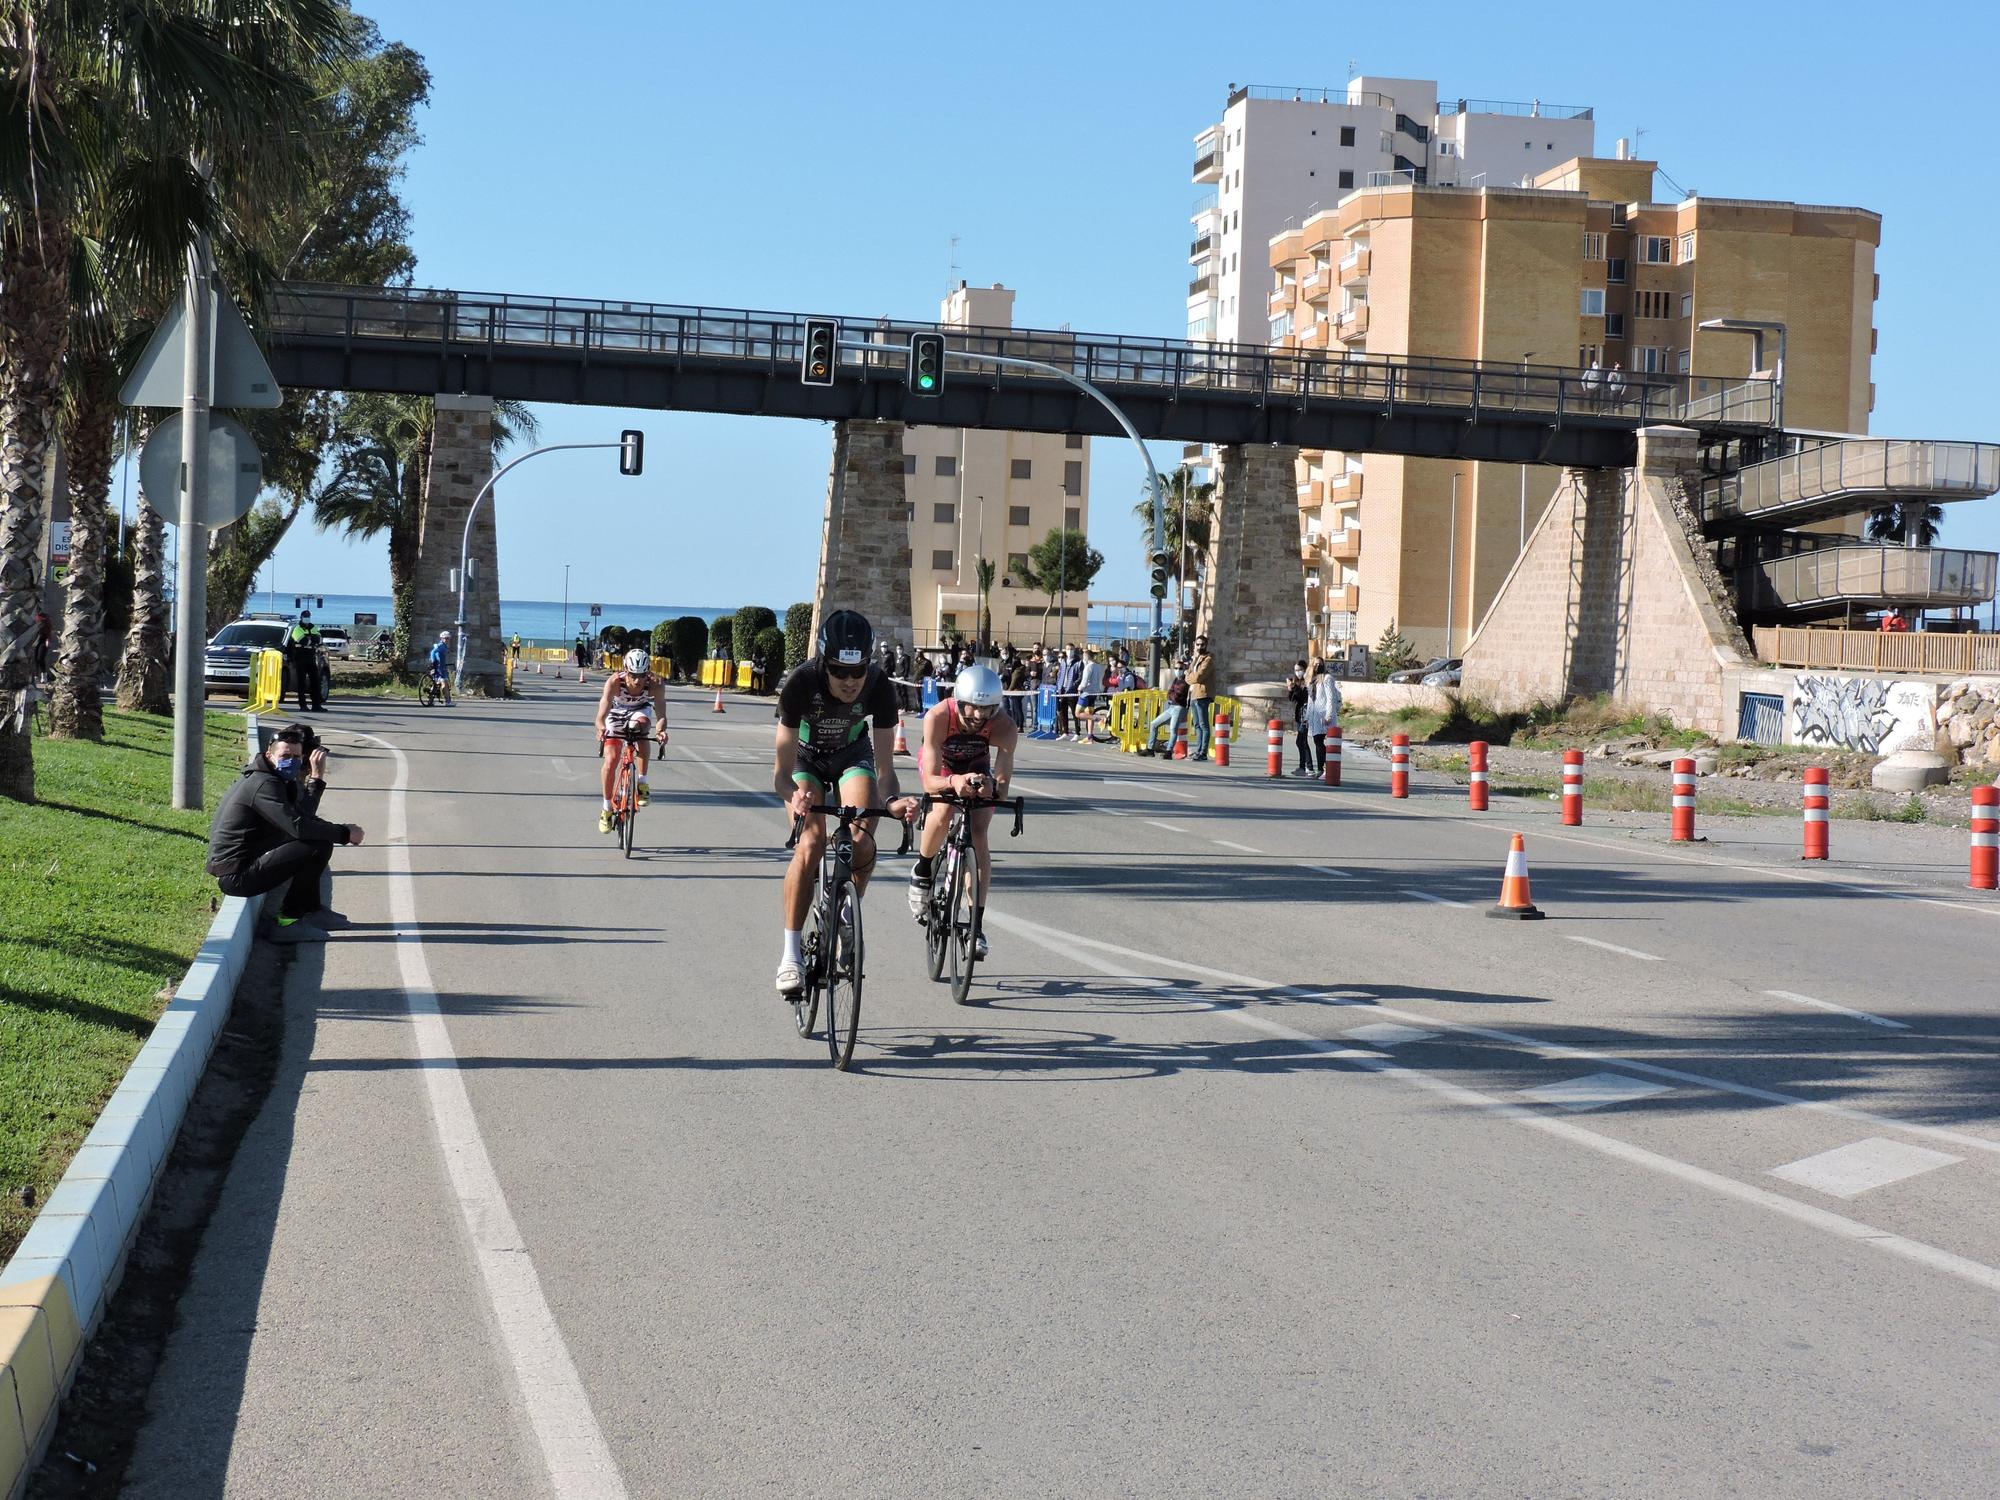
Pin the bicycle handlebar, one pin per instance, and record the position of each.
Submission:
(952, 799)
(847, 816)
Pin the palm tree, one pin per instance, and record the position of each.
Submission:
(984, 571)
(94, 87)
(1189, 519)
(1891, 523)
(142, 665)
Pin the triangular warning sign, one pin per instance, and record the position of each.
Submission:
(242, 376)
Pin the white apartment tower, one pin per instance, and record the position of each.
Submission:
(1279, 155)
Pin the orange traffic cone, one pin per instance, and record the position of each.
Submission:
(1514, 899)
(902, 744)
(579, 675)
(718, 703)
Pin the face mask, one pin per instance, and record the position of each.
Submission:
(286, 766)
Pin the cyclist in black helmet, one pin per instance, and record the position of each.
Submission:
(836, 727)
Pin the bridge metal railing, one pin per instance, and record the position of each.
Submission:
(1935, 577)
(1874, 469)
(467, 321)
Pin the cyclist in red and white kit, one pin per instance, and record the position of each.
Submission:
(968, 750)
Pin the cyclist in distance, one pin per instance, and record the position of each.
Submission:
(440, 666)
(968, 750)
(835, 741)
(632, 698)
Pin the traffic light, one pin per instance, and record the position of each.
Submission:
(822, 351)
(1160, 561)
(926, 363)
(631, 451)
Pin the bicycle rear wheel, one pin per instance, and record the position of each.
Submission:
(937, 908)
(805, 1009)
(958, 930)
(628, 801)
(842, 968)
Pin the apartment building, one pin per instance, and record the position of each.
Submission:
(1581, 268)
(1278, 155)
(992, 495)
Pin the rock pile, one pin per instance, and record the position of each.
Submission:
(1969, 720)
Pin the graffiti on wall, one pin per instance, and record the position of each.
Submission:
(1872, 714)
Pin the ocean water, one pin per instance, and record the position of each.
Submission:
(534, 619)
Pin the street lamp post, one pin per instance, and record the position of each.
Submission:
(1757, 328)
(631, 448)
(565, 629)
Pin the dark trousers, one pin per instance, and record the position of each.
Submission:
(297, 866)
(305, 678)
(1312, 749)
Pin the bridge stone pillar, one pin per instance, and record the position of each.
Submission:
(1253, 608)
(864, 548)
(461, 463)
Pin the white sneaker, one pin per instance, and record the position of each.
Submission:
(791, 978)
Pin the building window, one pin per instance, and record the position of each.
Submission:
(1614, 325)
(1281, 326)
(1648, 361)
(911, 518)
(1017, 515)
(944, 513)
(1073, 517)
(1447, 148)
(1586, 355)
(1656, 249)
(1073, 477)
(1347, 135)
(1681, 361)
(1593, 302)
(1347, 179)
(1073, 440)
(1687, 248)
(941, 560)
(1593, 247)
(1614, 269)
(1017, 562)
(1022, 468)
(1687, 304)
(1655, 305)
(909, 463)
(947, 465)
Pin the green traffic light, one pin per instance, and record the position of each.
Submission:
(926, 381)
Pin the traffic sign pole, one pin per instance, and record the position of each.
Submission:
(191, 600)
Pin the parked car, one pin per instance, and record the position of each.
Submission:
(1445, 676)
(1418, 674)
(333, 640)
(226, 664)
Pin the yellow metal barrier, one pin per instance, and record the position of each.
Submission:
(507, 670)
(745, 674)
(1132, 712)
(267, 682)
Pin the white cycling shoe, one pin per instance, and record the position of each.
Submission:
(979, 947)
(791, 978)
(920, 895)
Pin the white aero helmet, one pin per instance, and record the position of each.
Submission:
(444, 635)
(977, 687)
(638, 662)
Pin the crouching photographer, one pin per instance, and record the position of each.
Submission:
(267, 833)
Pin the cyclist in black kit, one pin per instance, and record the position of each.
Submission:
(836, 726)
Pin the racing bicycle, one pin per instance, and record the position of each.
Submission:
(625, 786)
(831, 943)
(951, 913)
(435, 689)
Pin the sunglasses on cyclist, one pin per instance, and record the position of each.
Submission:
(844, 673)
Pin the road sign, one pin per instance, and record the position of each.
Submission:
(235, 471)
(596, 610)
(242, 375)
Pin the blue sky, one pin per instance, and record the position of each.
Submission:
(822, 157)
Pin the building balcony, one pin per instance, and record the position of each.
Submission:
(1312, 494)
(1346, 598)
(1194, 453)
(1208, 161)
(1354, 268)
(1345, 545)
(1202, 244)
(1312, 336)
(1204, 205)
(1281, 298)
(1345, 486)
(1827, 580)
(1316, 285)
(1202, 286)
(1353, 324)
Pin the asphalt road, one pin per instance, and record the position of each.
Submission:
(1265, 1165)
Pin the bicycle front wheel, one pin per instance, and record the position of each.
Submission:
(805, 1009)
(959, 935)
(841, 955)
(628, 799)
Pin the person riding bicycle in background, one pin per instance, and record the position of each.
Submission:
(836, 726)
(968, 750)
(633, 701)
(440, 665)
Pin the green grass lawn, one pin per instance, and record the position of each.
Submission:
(103, 902)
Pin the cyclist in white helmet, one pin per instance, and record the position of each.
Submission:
(968, 750)
(633, 701)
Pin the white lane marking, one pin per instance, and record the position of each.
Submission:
(1849, 1171)
(1386, 1034)
(1329, 871)
(1651, 958)
(1232, 844)
(1594, 1091)
(1110, 812)
(1037, 790)
(573, 1449)
(735, 781)
(1539, 1049)
(1168, 826)
(563, 768)
(1859, 1015)
(1975, 1272)
(1437, 900)
(1151, 786)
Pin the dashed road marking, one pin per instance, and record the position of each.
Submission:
(1859, 1015)
(1232, 844)
(1439, 900)
(1651, 958)
(1330, 872)
(1168, 826)
(1594, 1091)
(1849, 1171)
(1386, 1034)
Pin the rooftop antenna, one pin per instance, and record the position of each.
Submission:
(1351, 69)
(951, 279)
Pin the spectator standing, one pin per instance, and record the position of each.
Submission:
(1322, 710)
(1090, 690)
(1015, 675)
(582, 653)
(1295, 689)
(1201, 691)
(268, 833)
(300, 653)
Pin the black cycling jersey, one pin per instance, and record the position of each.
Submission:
(824, 723)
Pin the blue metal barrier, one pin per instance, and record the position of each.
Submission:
(927, 696)
(1045, 715)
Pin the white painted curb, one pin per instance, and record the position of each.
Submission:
(85, 1230)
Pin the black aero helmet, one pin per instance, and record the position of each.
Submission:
(845, 639)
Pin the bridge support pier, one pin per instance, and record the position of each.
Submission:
(864, 548)
(461, 463)
(1253, 609)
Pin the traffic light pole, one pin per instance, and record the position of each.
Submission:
(1013, 362)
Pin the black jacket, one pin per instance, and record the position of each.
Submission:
(262, 811)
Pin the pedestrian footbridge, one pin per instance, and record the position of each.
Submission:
(1823, 478)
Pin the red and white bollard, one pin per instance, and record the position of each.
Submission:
(1399, 765)
(1683, 802)
(1572, 789)
(1222, 740)
(1985, 839)
(1331, 773)
(1180, 738)
(1475, 787)
(1817, 802)
(1274, 745)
